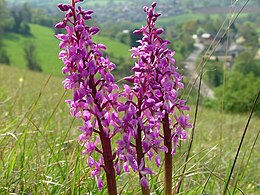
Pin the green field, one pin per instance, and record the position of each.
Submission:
(174, 20)
(39, 153)
(47, 48)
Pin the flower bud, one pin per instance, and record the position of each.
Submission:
(89, 12)
(145, 8)
(150, 102)
(100, 183)
(87, 16)
(110, 78)
(150, 13)
(68, 14)
(93, 30)
(64, 7)
(138, 32)
(157, 15)
(159, 31)
(79, 28)
(60, 25)
(101, 46)
(144, 182)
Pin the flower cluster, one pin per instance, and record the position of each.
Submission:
(144, 117)
(89, 76)
(156, 83)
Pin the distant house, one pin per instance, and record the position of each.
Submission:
(125, 8)
(257, 56)
(125, 31)
(234, 50)
(227, 54)
(240, 40)
(207, 38)
(221, 50)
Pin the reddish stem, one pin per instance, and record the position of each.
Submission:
(106, 147)
(139, 148)
(108, 160)
(168, 156)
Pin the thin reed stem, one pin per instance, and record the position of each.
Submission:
(207, 181)
(192, 136)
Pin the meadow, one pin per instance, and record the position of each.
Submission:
(47, 45)
(47, 48)
(39, 152)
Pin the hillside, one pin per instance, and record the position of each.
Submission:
(47, 48)
(37, 133)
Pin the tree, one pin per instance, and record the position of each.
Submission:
(240, 92)
(123, 37)
(4, 17)
(209, 25)
(40, 17)
(26, 12)
(30, 56)
(188, 3)
(246, 64)
(3, 24)
(4, 59)
(190, 27)
(248, 31)
(22, 17)
(214, 73)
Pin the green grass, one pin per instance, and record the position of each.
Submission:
(116, 48)
(174, 20)
(47, 48)
(39, 153)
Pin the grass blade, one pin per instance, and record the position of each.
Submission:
(241, 142)
(192, 136)
(207, 181)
